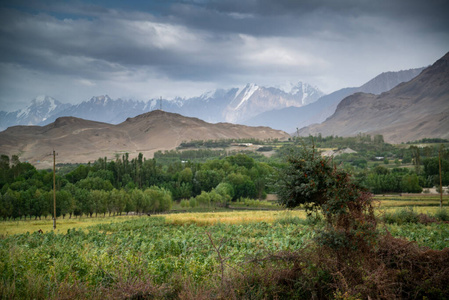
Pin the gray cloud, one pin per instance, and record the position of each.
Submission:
(169, 48)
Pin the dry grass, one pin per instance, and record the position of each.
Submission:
(240, 217)
(62, 225)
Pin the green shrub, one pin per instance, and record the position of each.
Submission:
(401, 216)
(193, 203)
(184, 203)
(442, 214)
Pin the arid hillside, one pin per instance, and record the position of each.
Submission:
(77, 140)
(413, 110)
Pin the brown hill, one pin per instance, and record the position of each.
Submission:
(413, 110)
(78, 140)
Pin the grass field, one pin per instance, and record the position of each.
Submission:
(388, 203)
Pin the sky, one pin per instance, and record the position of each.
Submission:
(73, 49)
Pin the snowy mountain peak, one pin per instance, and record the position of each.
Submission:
(103, 99)
(42, 100)
(246, 93)
(249, 88)
(308, 93)
(207, 95)
(41, 105)
(40, 109)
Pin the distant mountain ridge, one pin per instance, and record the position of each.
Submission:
(232, 105)
(39, 110)
(412, 110)
(291, 118)
(288, 108)
(80, 141)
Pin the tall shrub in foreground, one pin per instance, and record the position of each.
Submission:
(311, 181)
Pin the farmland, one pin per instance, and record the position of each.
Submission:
(92, 257)
(144, 229)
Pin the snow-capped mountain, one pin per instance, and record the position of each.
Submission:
(291, 118)
(102, 109)
(233, 105)
(236, 105)
(253, 100)
(40, 109)
(306, 92)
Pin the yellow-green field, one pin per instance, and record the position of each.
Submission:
(202, 219)
(426, 204)
(418, 201)
(46, 225)
(234, 217)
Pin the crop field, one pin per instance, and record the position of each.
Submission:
(86, 257)
(423, 204)
(35, 265)
(62, 225)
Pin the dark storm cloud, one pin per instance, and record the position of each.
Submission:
(144, 46)
(274, 16)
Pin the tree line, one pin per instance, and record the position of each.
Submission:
(122, 185)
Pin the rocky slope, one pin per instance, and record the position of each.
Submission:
(410, 111)
(291, 118)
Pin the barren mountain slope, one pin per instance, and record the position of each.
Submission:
(412, 110)
(78, 140)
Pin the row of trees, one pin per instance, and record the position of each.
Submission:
(124, 185)
(93, 188)
(74, 201)
(405, 180)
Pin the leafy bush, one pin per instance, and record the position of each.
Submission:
(184, 203)
(442, 215)
(401, 216)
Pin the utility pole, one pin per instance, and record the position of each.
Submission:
(54, 190)
(441, 180)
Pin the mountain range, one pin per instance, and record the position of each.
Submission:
(233, 105)
(286, 109)
(403, 106)
(78, 141)
(290, 119)
(410, 111)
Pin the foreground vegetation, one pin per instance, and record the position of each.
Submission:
(186, 256)
(338, 251)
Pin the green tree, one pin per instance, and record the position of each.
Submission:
(206, 180)
(65, 204)
(310, 180)
(410, 184)
(139, 202)
(79, 173)
(186, 175)
(243, 186)
(159, 199)
(94, 183)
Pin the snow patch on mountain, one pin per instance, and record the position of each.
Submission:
(249, 91)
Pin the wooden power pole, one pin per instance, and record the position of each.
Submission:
(54, 190)
(441, 180)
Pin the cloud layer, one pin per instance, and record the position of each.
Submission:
(73, 50)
